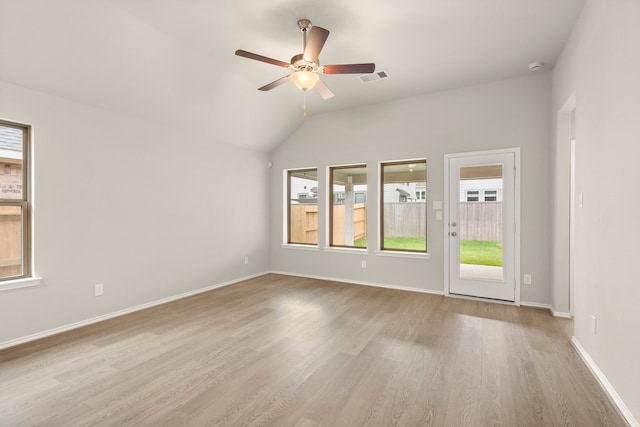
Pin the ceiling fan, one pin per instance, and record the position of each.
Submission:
(306, 66)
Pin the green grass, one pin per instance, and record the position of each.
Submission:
(477, 252)
(403, 243)
(360, 243)
(481, 252)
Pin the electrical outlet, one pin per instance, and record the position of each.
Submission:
(98, 290)
(364, 264)
(527, 279)
(246, 260)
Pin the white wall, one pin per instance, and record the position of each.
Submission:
(503, 114)
(150, 212)
(600, 66)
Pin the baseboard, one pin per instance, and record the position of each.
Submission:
(604, 382)
(548, 307)
(80, 324)
(562, 314)
(360, 282)
(536, 305)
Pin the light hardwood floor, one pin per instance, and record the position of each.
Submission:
(289, 351)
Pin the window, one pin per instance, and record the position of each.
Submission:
(15, 250)
(302, 206)
(490, 196)
(348, 206)
(403, 210)
(473, 196)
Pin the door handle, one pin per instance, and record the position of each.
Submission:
(454, 234)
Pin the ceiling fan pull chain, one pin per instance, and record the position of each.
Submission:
(304, 104)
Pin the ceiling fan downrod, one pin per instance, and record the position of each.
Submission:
(304, 25)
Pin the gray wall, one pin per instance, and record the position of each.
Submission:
(599, 67)
(148, 211)
(510, 113)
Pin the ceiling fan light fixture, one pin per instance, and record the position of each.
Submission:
(305, 80)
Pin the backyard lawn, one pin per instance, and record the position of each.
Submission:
(481, 252)
(403, 243)
(477, 252)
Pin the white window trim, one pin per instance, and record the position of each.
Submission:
(27, 282)
(300, 247)
(399, 254)
(346, 250)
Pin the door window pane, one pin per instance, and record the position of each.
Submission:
(480, 224)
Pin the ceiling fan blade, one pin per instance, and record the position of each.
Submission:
(323, 90)
(276, 83)
(349, 69)
(317, 37)
(261, 58)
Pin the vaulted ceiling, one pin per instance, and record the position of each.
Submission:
(172, 61)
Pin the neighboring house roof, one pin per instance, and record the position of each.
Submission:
(10, 139)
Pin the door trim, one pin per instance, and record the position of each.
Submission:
(516, 153)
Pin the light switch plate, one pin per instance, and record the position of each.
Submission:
(437, 205)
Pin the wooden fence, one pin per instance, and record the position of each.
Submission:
(476, 221)
(303, 220)
(10, 241)
(405, 219)
(304, 223)
(359, 222)
(480, 221)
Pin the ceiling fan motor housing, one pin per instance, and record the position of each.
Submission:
(298, 63)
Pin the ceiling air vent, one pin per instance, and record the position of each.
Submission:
(374, 77)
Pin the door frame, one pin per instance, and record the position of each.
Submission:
(516, 262)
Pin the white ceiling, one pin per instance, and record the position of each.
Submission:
(172, 61)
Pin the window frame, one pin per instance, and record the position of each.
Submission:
(396, 251)
(330, 204)
(288, 175)
(25, 205)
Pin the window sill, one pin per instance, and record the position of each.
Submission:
(20, 283)
(301, 247)
(399, 254)
(353, 251)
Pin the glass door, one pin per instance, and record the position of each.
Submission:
(481, 225)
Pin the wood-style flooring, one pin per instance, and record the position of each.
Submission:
(289, 351)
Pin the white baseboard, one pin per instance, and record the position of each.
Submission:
(360, 282)
(604, 382)
(80, 324)
(536, 305)
(548, 307)
(562, 314)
